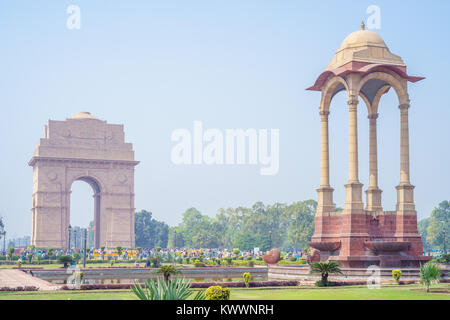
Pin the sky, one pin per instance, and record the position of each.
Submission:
(158, 66)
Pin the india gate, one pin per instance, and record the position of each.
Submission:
(91, 150)
(365, 234)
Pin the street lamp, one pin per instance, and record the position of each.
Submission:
(70, 231)
(175, 240)
(270, 238)
(84, 248)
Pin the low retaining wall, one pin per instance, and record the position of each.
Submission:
(59, 275)
(301, 273)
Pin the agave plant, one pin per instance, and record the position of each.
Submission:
(429, 273)
(176, 289)
(325, 268)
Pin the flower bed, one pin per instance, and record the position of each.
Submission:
(26, 288)
(238, 284)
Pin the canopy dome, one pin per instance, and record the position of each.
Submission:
(364, 46)
(83, 115)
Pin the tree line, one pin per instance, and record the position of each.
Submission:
(283, 226)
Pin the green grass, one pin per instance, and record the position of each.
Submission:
(388, 292)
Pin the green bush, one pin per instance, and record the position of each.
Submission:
(293, 258)
(246, 276)
(299, 261)
(396, 274)
(444, 259)
(321, 283)
(65, 260)
(217, 293)
(199, 264)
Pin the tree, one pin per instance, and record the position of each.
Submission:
(325, 269)
(149, 232)
(439, 226)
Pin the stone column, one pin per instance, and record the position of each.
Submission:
(324, 155)
(406, 220)
(325, 215)
(405, 196)
(353, 203)
(404, 145)
(373, 193)
(325, 192)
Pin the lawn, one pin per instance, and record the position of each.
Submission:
(388, 292)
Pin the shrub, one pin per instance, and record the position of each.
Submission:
(246, 276)
(444, 259)
(65, 260)
(111, 263)
(292, 258)
(321, 283)
(236, 251)
(251, 263)
(396, 274)
(198, 264)
(217, 293)
(19, 263)
(429, 273)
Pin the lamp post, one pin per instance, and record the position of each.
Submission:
(270, 238)
(70, 231)
(84, 248)
(175, 240)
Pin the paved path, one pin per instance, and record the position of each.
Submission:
(17, 278)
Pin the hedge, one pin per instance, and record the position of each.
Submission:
(237, 284)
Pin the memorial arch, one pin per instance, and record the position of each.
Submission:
(83, 148)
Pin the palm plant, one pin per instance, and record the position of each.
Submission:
(429, 273)
(167, 271)
(325, 268)
(177, 289)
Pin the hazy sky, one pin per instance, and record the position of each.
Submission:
(156, 66)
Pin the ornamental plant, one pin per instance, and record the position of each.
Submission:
(396, 274)
(177, 289)
(325, 268)
(217, 293)
(246, 276)
(429, 273)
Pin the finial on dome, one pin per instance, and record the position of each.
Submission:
(363, 26)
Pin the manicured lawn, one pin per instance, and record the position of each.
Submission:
(388, 292)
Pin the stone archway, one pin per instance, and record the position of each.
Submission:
(88, 149)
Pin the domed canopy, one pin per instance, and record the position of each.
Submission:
(364, 46)
(82, 115)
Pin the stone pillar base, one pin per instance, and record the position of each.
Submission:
(373, 196)
(353, 198)
(325, 200)
(405, 198)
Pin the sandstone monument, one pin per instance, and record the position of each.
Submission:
(361, 236)
(91, 150)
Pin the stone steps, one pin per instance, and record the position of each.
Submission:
(17, 278)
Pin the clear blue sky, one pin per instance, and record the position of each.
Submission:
(156, 66)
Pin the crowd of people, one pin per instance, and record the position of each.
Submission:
(144, 253)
